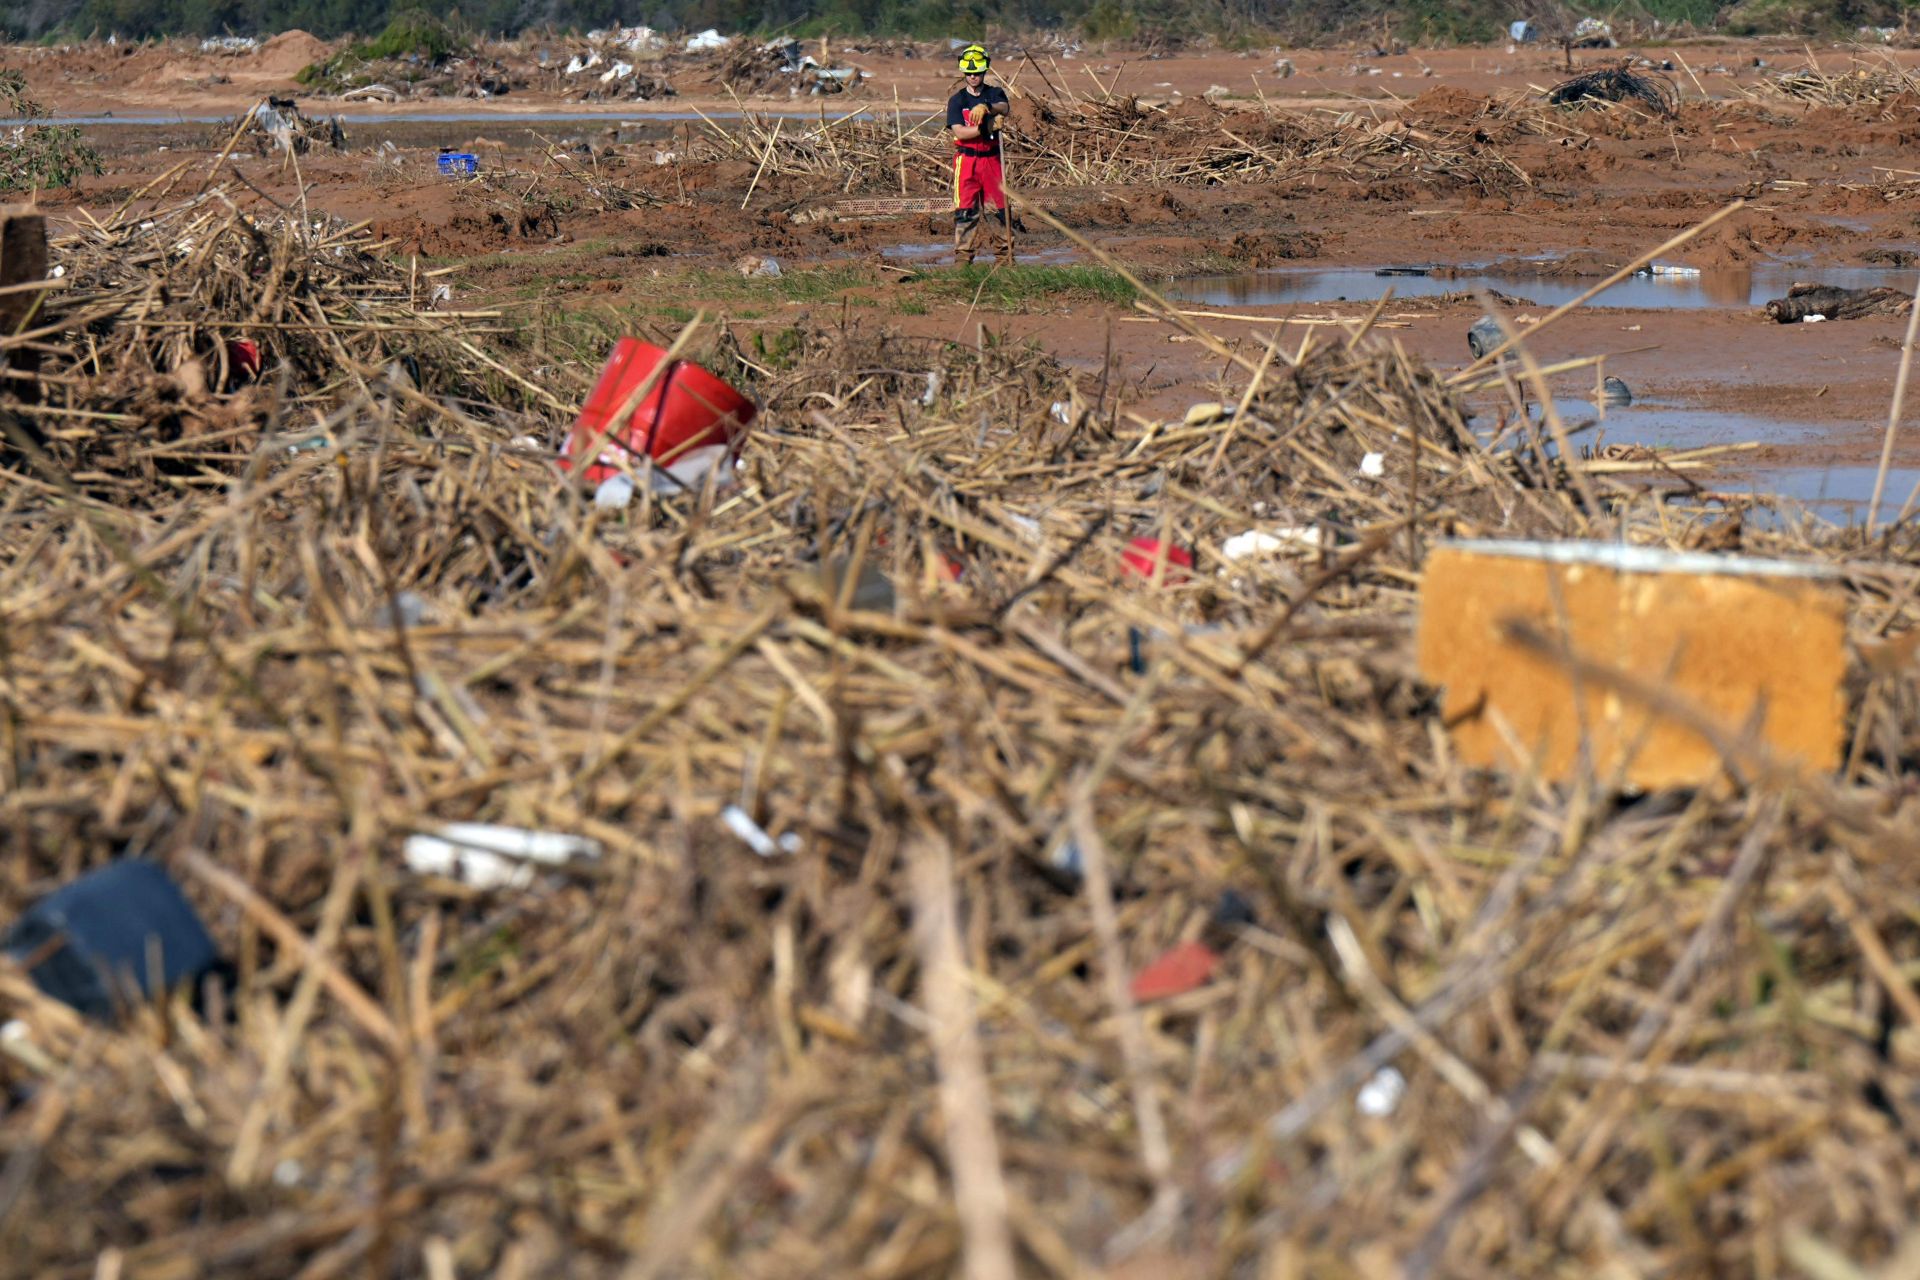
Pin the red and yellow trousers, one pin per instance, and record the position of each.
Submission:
(977, 186)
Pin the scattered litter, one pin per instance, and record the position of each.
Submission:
(1484, 336)
(688, 421)
(1520, 31)
(1066, 856)
(1283, 68)
(277, 122)
(229, 44)
(1060, 411)
(1672, 269)
(1381, 1095)
(492, 857)
(1233, 910)
(459, 163)
(932, 392)
(618, 71)
(1176, 971)
(755, 835)
(1615, 393)
(1204, 412)
(93, 944)
(1816, 319)
(16, 1042)
(614, 494)
(754, 265)
(1814, 302)
(1294, 539)
(1373, 465)
(1755, 632)
(708, 39)
(1592, 33)
(1144, 555)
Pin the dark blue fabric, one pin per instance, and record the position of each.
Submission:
(957, 107)
(93, 937)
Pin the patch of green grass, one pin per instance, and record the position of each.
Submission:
(1011, 288)
(911, 307)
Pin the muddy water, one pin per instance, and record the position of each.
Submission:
(1836, 493)
(1717, 287)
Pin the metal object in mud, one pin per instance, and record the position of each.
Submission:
(1615, 394)
(1485, 336)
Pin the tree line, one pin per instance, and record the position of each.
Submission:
(1168, 20)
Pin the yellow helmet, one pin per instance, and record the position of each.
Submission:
(974, 60)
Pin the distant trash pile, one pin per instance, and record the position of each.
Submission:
(780, 64)
(277, 124)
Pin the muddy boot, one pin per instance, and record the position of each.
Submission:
(966, 226)
(1003, 250)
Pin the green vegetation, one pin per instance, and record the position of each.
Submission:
(39, 157)
(413, 33)
(1014, 288)
(1229, 23)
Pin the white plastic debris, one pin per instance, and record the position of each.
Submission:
(1812, 319)
(1374, 465)
(588, 63)
(754, 265)
(1283, 68)
(708, 39)
(618, 71)
(441, 293)
(664, 157)
(932, 392)
(1381, 1095)
(1293, 539)
(16, 1042)
(1672, 269)
(614, 493)
(57, 272)
(492, 857)
(755, 836)
(1062, 411)
(288, 1173)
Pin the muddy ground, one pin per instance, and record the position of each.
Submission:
(1472, 169)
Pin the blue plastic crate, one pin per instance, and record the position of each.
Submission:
(457, 163)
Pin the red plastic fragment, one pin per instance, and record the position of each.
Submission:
(1175, 972)
(1142, 553)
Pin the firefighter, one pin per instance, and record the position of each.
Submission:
(975, 116)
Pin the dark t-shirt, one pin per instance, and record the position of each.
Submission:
(957, 108)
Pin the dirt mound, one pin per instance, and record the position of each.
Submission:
(1446, 106)
(289, 53)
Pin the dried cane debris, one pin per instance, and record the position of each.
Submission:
(711, 1046)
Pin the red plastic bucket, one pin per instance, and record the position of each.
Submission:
(686, 409)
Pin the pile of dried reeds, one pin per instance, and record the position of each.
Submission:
(1665, 1033)
(1097, 142)
(186, 343)
(1876, 85)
